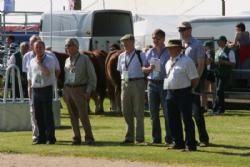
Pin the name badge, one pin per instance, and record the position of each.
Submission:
(71, 77)
(166, 84)
(156, 74)
(125, 75)
(38, 80)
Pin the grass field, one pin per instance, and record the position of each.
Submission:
(229, 136)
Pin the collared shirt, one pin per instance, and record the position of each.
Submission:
(221, 53)
(163, 56)
(83, 70)
(133, 64)
(30, 55)
(180, 71)
(38, 80)
(194, 50)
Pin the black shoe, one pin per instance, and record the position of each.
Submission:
(176, 147)
(39, 142)
(51, 142)
(190, 149)
(127, 142)
(204, 144)
(76, 142)
(90, 142)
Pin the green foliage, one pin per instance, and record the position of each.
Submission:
(229, 136)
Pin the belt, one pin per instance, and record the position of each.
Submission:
(156, 81)
(133, 79)
(180, 90)
(74, 86)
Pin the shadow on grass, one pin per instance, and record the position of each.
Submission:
(115, 114)
(230, 146)
(247, 154)
(230, 113)
(110, 143)
(64, 127)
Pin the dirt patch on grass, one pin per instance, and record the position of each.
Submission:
(20, 160)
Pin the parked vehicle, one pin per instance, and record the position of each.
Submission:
(205, 28)
(94, 29)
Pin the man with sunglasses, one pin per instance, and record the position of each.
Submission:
(194, 49)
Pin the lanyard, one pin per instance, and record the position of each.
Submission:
(73, 64)
(130, 60)
(172, 66)
(163, 50)
(44, 57)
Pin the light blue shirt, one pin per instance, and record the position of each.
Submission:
(134, 66)
(194, 50)
(164, 56)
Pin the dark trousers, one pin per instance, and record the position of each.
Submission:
(219, 104)
(42, 98)
(179, 106)
(156, 97)
(199, 118)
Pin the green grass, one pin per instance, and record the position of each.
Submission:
(229, 136)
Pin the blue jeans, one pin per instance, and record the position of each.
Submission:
(157, 96)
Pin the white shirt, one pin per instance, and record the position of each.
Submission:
(180, 71)
(38, 80)
(231, 55)
(30, 55)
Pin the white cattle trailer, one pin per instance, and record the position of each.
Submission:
(94, 29)
(205, 28)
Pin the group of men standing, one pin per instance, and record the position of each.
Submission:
(173, 72)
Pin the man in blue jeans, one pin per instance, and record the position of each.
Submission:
(156, 59)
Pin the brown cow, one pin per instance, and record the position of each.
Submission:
(113, 80)
(98, 59)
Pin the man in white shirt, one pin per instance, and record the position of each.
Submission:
(181, 78)
(40, 87)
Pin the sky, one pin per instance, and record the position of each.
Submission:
(171, 7)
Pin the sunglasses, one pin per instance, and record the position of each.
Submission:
(183, 29)
(68, 45)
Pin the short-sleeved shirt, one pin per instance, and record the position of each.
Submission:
(180, 71)
(83, 70)
(242, 37)
(163, 56)
(30, 55)
(38, 80)
(220, 53)
(194, 50)
(131, 63)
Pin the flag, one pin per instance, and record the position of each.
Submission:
(71, 4)
(9, 5)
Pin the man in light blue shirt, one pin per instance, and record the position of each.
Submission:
(194, 50)
(156, 59)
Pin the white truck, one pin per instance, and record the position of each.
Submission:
(94, 29)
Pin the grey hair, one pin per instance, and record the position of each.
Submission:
(34, 37)
(73, 41)
(23, 44)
